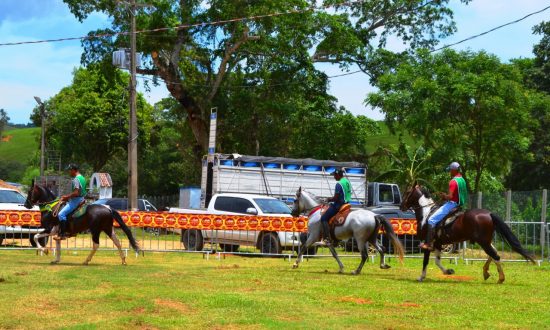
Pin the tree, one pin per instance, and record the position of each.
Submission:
(198, 62)
(465, 106)
(87, 121)
(406, 165)
(4, 119)
(536, 73)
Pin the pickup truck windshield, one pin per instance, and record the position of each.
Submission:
(272, 206)
(10, 196)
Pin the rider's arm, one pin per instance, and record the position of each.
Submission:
(449, 195)
(75, 193)
(334, 198)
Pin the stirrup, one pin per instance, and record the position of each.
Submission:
(60, 238)
(426, 246)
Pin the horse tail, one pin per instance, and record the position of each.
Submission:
(125, 229)
(388, 229)
(509, 237)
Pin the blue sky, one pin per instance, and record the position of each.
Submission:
(43, 69)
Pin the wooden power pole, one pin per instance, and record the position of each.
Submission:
(133, 128)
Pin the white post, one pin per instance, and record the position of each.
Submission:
(543, 220)
(479, 199)
(508, 206)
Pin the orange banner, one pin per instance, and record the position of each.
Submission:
(201, 221)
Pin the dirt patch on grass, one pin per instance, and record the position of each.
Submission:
(2, 280)
(234, 266)
(410, 304)
(358, 301)
(7, 138)
(459, 278)
(21, 273)
(138, 310)
(173, 304)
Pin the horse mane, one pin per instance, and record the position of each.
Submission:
(426, 192)
(315, 198)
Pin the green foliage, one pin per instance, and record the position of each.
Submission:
(465, 106)
(4, 119)
(87, 121)
(241, 67)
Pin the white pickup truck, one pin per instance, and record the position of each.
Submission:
(232, 240)
(13, 200)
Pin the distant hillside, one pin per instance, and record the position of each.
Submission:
(19, 144)
(385, 138)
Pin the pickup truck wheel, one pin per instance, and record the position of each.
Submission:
(192, 240)
(229, 247)
(43, 241)
(270, 244)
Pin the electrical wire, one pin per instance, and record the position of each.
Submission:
(185, 26)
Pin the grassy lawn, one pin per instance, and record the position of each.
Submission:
(20, 144)
(183, 290)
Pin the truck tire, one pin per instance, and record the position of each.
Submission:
(43, 241)
(269, 243)
(229, 247)
(192, 240)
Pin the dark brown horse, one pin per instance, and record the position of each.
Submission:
(97, 219)
(475, 225)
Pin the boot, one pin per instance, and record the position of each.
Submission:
(325, 241)
(427, 245)
(62, 228)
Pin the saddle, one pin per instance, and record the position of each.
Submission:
(338, 220)
(76, 213)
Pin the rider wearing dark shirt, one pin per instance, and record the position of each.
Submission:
(342, 195)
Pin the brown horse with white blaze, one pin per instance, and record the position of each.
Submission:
(475, 225)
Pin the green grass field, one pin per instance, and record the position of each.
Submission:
(21, 144)
(183, 290)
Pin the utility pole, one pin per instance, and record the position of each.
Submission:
(43, 133)
(133, 131)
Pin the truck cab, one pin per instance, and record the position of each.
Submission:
(231, 240)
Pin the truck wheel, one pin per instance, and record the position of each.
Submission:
(43, 241)
(449, 248)
(270, 244)
(229, 247)
(1, 240)
(192, 240)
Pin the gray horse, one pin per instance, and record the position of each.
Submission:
(363, 225)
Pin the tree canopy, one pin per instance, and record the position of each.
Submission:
(465, 106)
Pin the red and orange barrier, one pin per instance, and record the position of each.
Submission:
(201, 221)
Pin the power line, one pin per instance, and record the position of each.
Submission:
(186, 26)
(491, 30)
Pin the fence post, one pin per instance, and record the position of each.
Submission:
(543, 220)
(508, 205)
(479, 199)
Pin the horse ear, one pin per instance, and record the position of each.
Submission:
(300, 189)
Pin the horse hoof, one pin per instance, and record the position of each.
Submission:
(341, 271)
(449, 272)
(55, 262)
(500, 281)
(355, 272)
(421, 279)
(294, 266)
(85, 263)
(384, 266)
(486, 276)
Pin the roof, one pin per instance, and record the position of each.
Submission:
(4, 184)
(243, 195)
(297, 161)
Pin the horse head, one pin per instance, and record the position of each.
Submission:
(304, 201)
(411, 197)
(38, 194)
(30, 201)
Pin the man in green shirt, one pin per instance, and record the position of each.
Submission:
(342, 195)
(78, 191)
(457, 196)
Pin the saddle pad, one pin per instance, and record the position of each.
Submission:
(80, 211)
(340, 218)
(451, 218)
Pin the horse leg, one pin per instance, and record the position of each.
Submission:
(492, 252)
(115, 240)
(37, 242)
(363, 248)
(424, 265)
(380, 250)
(486, 268)
(311, 238)
(438, 263)
(57, 252)
(335, 255)
(95, 239)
